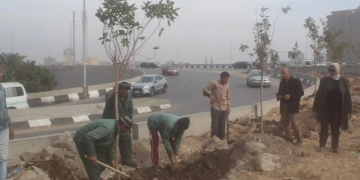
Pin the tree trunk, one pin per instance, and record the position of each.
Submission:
(261, 101)
(116, 117)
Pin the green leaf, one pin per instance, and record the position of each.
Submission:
(168, 22)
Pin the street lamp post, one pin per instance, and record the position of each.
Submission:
(231, 51)
(177, 53)
(12, 42)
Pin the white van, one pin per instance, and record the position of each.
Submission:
(309, 63)
(16, 96)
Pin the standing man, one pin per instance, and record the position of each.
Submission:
(6, 132)
(96, 140)
(125, 109)
(171, 129)
(289, 95)
(219, 93)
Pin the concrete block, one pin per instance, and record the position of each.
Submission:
(83, 118)
(165, 106)
(39, 123)
(267, 106)
(73, 97)
(144, 110)
(48, 100)
(93, 94)
(140, 131)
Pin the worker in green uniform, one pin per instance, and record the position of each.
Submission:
(171, 129)
(125, 109)
(96, 140)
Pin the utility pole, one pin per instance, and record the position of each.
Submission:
(12, 42)
(231, 52)
(74, 61)
(177, 53)
(306, 46)
(84, 22)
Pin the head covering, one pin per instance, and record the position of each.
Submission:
(183, 123)
(126, 121)
(124, 85)
(337, 68)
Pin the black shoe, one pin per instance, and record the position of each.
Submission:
(155, 168)
(130, 164)
(299, 142)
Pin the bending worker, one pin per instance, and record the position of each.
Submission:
(125, 109)
(96, 140)
(171, 129)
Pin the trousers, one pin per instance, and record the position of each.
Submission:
(218, 122)
(334, 119)
(93, 170)
(154, 142)
(4, 150)
(125, 147)
(288, 121)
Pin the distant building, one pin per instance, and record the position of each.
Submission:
(105, 63)
(68, 56)
(92, 61)
(211, 60)
(205, 61)
(50, 61)
(348, 22)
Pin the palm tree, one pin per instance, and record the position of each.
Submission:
(9, 63)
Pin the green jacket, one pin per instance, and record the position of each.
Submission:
(165, 123)
(99, 135)
(125, 108)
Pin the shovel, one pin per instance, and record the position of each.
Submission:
(111, 168)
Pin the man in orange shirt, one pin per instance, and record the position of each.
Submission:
(219, 93)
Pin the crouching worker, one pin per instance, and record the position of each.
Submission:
(171, 129)
(96, 140)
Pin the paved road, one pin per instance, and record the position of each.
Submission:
(185, 95)
(73, 76)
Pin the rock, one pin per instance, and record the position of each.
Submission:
(208, 165)
(32, 173)
(267, 162)
(59, 154)
(221, 145)
(212, 140)
(65, 141)
(47, 152)
(28, 156)
(314, 135)
(253, 148)
(239, 163)
(243, 122)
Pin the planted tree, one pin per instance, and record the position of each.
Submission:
(334, 45)
(122, 32)
(262, 49)
(317, 41)
(356, 51)
(294, 53)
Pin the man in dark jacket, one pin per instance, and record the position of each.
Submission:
(96, 140)
(125, 109)
(289, 95)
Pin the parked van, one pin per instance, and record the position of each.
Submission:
(309, 63)
(16, 96)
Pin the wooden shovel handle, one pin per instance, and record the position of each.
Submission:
(111, 168)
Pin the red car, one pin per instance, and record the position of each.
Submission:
(170, 70)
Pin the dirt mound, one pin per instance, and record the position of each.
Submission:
(213, 165)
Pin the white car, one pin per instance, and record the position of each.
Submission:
(16, 96)
(254, 78)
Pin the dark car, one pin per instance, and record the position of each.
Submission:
(144, 65)
(242, 65)
(152, 65)
(170, 70)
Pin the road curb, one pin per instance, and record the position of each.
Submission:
(79, 119)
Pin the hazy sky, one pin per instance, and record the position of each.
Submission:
(203, 28)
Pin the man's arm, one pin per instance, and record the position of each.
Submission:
(91, 137)
(228, 99)
(131, 107)
(109, 98)
(299, 91)
(177, 142)
(207, 89)
(165, 135)
(110, 151)
(348, 96)
(278, 94)
(316, 99)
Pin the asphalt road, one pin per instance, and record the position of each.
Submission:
(73, 76)
(185, 95)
